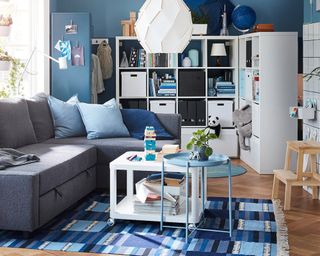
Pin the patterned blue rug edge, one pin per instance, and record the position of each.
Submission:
(54, 229)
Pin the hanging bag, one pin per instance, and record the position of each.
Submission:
(104, 53)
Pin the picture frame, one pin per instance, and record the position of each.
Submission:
(71, 29)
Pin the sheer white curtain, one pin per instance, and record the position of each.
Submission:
(30, 29)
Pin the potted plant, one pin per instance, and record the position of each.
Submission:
(200, 24)
(199, 144)
(5, 25)
(8, 62)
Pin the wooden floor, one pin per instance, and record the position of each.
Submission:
(303, 219)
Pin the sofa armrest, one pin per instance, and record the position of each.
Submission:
(19, 200)
(172, 123)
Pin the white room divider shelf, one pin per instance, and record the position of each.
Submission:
(273, 58)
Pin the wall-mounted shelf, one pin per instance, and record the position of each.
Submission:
(302, 113)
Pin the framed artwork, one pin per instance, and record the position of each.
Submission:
(71, 29)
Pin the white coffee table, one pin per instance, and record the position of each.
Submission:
(124, 209)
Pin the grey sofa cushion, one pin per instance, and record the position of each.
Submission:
(40, 116)
(172, 123)
(58, 163)
(109, 149)
(16, 128)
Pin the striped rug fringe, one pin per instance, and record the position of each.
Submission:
(282, 229)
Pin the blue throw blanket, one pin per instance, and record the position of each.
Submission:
(136, 121)
(10, 158)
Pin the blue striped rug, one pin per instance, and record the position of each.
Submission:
(84, 229)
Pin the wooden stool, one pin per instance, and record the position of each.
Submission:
(300, 178)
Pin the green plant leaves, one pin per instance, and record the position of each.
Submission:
(16, 68)
(208, 151)
(201, 138)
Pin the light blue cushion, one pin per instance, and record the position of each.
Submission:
(103, 121)
(66, 118)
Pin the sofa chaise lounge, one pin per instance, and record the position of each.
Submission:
(69, 169)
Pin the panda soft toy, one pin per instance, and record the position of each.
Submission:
(214, 124)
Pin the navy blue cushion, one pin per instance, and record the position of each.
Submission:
(136, 121)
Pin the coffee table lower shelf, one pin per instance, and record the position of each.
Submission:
(124, 210)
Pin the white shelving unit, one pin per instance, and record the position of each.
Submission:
(274, 60)
(227, 144)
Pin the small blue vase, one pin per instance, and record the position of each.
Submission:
(194, 56)
(200, 153)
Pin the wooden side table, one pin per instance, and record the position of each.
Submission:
(299, 178)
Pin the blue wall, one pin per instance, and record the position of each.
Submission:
(286, 15)
(310, 13)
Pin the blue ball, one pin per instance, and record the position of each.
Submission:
(243, 18)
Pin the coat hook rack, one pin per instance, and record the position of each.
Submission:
(98, 41)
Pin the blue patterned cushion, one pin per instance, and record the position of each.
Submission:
(66, 118)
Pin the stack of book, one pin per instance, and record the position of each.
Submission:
(170, 179)
(225, 88)
(137, 58)
(168, 87)
(163, 60)
(153, 205)
(148, 199)
(162, 87)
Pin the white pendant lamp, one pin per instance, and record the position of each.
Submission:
(164, 26)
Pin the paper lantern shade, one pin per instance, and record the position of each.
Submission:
(164, 26)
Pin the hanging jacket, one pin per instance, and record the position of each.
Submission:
(104, 53)
(97, 86)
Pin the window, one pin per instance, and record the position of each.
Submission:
(30, 29)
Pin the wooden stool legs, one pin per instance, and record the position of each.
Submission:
(275, 189)
(315, 192)
(315, 189)
(287, 197)
(301, 178)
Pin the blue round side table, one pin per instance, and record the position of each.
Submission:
(183, 160)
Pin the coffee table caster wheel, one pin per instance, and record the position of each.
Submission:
(110, 222)
(191, 227)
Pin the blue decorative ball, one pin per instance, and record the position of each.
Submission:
(243, 18)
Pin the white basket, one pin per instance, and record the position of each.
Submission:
(5, 31)
(5, 65)
(305, 113)
(199, 29)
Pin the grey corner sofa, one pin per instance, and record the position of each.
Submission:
(69, 169)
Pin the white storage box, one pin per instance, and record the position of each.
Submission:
(163, 106)
(227, 144)
(133, 84)
(222, 109)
